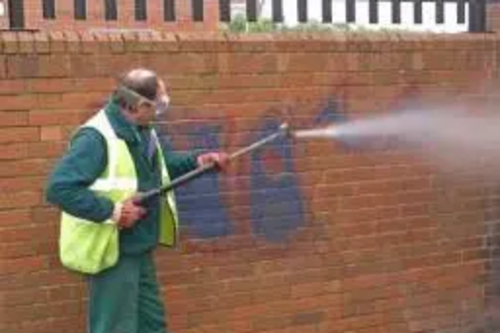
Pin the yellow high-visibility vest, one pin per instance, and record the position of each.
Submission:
(90, 247)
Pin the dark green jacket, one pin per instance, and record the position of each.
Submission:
(86, 160)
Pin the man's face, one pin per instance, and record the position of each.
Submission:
(162, 99)
(148, 110)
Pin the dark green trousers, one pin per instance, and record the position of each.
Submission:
(126, 299)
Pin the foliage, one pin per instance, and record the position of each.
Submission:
(239, 24)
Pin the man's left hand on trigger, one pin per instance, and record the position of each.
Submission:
(219, 158)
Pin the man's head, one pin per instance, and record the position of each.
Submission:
(142, 95)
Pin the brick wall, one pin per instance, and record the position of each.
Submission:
(305, 237)
(493, 16)
(4, 24)
(96, 20)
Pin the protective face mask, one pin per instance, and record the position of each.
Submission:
(162, 105)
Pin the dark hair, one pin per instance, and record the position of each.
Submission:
(135, 84)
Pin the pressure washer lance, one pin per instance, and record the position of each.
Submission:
(145, 198)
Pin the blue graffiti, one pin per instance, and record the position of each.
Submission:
(330, 113)
(276, 203)
(275, 198)
(199, 201)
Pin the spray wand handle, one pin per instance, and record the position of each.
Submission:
(145, 198)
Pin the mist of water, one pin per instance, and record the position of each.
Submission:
(455, 140)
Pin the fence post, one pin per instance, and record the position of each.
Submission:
(326, 11)
(302, 11)
(16, 14)
(198, 10)
(277, 10)
(350, 11)
(169, 11)
(251, 8)
(225, 10)
(477, 16)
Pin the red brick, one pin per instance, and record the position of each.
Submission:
(46, 149)
(12, 87)
(42, 44)
(15, 216)
(55, 117)
(57, 41)
(19, 134)
(83, 65)
(83, 101)
(93, 84)
(45, 215)
(20, 199)
(47, 85)
(24, 167)
(22, 66)
(13, 118)
(51, 133)
(25, 297)
(24, 265)
(17, 102)
(16, 184)
(249, 63)
(62, 293)
(26, 42)
(10, 42)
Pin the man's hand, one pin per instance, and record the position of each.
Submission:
(128, 213)
(220, 159)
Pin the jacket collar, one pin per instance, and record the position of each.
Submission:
(124, 129)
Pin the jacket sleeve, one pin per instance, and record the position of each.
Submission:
(178, 163)
(83, 163)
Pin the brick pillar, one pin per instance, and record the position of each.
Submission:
(493, 17)
(4, 15)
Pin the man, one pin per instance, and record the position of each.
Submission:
(105, 232)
